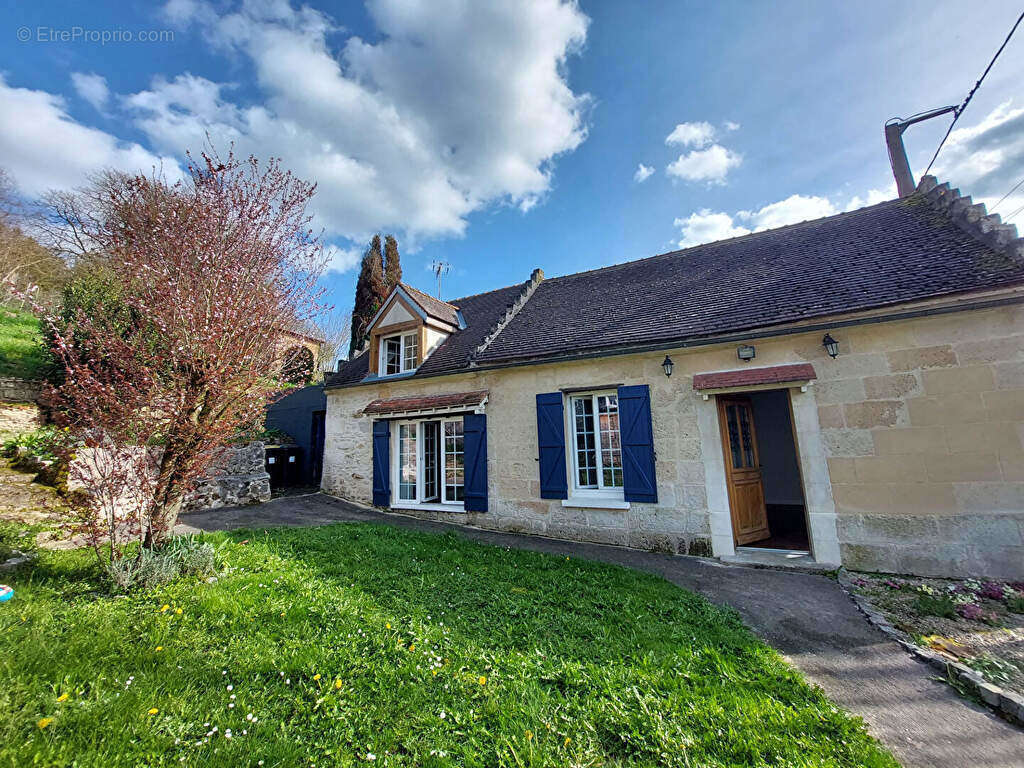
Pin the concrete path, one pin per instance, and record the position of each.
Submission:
(807, 618)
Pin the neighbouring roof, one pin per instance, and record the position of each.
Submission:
(931, 244)
(745, 377)
(430, 402)
(439, 310)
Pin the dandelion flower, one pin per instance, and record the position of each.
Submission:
(177, 611)
(529, 735)
(159, 647)
(567, 740)
(482, 680)
(316, 676)
(153, 711)
(387, 625)
(337, 683)
(44, 721)
(62, 697)
(164, 608)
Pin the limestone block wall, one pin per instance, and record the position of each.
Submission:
(924, 426)
(239, 477)
(677, 523)
(910, 444)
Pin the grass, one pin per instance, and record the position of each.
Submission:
(354, 640)
(941, 606)
(21, 344)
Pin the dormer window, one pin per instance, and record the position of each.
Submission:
(399, 354)
(407, 328)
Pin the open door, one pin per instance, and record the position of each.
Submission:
(743, 469)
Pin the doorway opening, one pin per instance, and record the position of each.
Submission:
(766, 497)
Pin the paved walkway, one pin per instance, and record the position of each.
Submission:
(807, 618)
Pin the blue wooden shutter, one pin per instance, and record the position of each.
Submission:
(474, 445)
(381, 464)
(551, 446)
(638, 479)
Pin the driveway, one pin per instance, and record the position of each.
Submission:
(808, 618)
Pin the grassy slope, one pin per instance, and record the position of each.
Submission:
(21, 351)
(445, 652)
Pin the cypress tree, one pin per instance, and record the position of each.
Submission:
(392, 262)
(371, 290)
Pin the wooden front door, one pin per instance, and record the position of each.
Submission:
(743, 470)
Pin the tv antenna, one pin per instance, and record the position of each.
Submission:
(440, 269)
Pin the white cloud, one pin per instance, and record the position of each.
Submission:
(789, 211)
(43, 148)
(711, 164)
(342, 259)
(706, 226)
(729, 125)
(698, 134)
(985, 160)
(452, 107)
(643, 173)
(91, 87)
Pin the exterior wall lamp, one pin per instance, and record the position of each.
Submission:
(667, 364)
(746, 352)
(831, 345)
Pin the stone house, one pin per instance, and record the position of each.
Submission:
(848, 390)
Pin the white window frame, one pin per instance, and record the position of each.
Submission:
(396, 467)
(403, 345)
(578, 494)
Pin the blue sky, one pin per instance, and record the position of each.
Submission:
(500, 137)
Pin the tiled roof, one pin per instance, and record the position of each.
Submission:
(895, 252)
(931, 244)
(429, 402)
(745, 377)
(480, 312)
(435, 308)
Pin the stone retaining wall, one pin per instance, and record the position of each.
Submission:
(19, 390)
(241, 478)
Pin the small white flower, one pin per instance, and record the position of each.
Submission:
(231, 687)
(370, 756)
(231, 705)
(232, 697)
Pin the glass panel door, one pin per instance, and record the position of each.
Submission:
(431, 460)
(407, 461)
(453, 461)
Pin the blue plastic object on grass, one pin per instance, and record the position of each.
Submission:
(6, 593)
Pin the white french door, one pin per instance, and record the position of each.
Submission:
(428, 465)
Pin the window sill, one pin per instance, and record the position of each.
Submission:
(430, 506)
(595, 502)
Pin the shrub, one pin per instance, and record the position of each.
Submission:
(1015, 604)
(930, 605)
(38, 444)
(183, 556)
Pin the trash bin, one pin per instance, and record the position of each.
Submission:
(293, 469)
(274, 461)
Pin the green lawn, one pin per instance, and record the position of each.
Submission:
(21, 351)
(340, 643)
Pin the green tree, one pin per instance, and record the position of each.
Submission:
(371, 289)
(392, 263)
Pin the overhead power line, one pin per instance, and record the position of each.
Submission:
(1012, 190)
(960, 110)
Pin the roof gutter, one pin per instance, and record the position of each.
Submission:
(705, 341)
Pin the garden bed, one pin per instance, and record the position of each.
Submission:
(359, 644)
(977, 623)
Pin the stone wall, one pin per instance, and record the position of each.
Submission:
(240, 478)
(924, 423)
(19, 390)
(910, 444)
